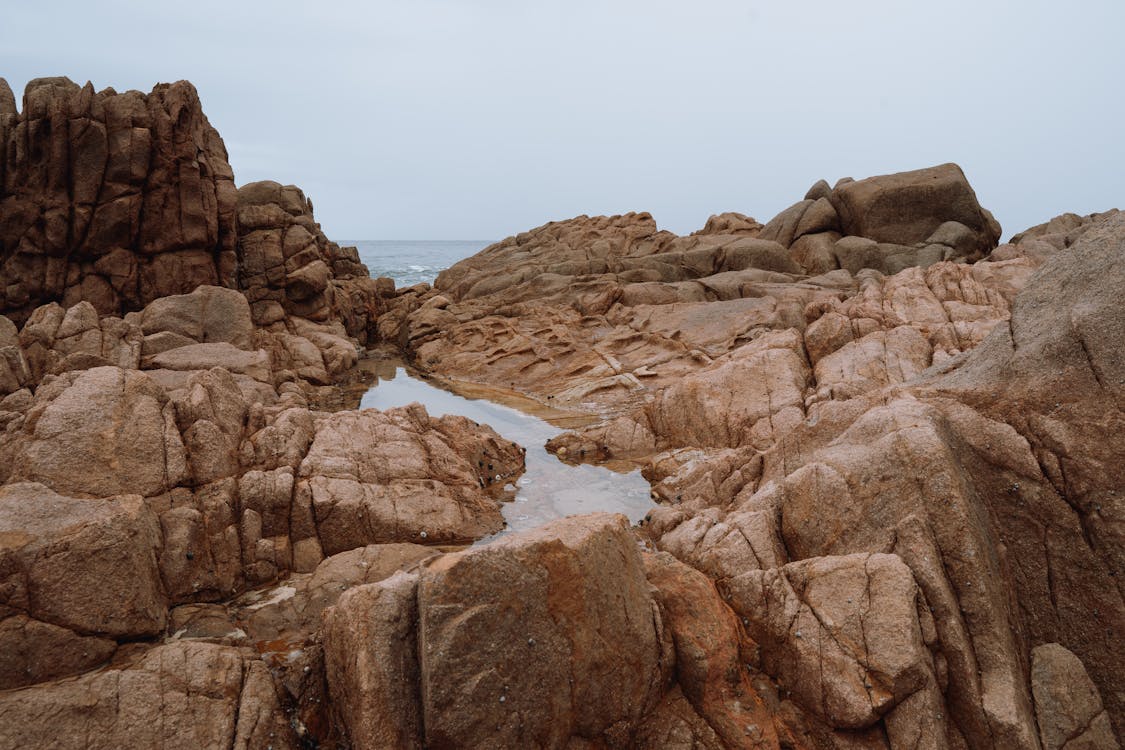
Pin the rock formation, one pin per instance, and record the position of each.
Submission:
(114, 199)
(885, 450)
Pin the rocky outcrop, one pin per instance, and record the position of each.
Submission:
(885, 452)
(118, 200)
(546, 638)
(959, 485)
(112, 199)
(604, 311)
(289, 268)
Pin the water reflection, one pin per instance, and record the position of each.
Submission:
(548, 489)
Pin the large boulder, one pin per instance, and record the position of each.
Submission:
(536, 640)
(400, 475)
(907, 208)
(73, 573)
(99, 432)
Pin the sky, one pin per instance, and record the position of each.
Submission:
(478, 119)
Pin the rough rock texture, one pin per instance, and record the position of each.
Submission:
(1067, 705)
(113, 199)
(1001, 503)
(180, 695)
(538, 639)
(602, 312)
(118, 200)
(289, 268)
(887, 455)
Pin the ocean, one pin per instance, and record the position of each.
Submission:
(411, 262)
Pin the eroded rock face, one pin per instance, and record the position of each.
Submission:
(603, 312)
(289, 268)
(958, 480)
(74, 575)
(180, 695)
(113, 199)
(400, 475)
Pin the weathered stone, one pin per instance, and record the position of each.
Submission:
(85, 565)
(179, 695)
(540, 637)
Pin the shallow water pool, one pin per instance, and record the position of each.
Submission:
(548, 489)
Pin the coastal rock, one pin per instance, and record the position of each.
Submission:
(608, 311)
(710, 644)
(842, 635)
(908, 207)
(289, 268)
(567, 638)
(179, 695)
(209, 314)
(401, 475)
(96, 433)
(88, 566)
(1067, 705)
(114, 199)
(965, 484)
(538, 608)
(372, 664)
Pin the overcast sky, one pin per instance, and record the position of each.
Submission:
(477, 119)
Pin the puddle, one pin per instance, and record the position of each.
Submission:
(548, 489)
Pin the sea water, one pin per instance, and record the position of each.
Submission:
(411, 262)
(548, 488)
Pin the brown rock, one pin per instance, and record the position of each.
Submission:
(402, 476)
(372, 664)
(709, 665)
(117, 199)
(32, 651)
(907, 207)
(254, 364)
(207, 315)
(85, 565)
(540, 637)
(841, 634)
(1067, 705)
(100, 432)
(179, 695)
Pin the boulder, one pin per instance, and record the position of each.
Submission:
(401, 476)
(100, 432)
(1067, 705)
(88, 566)
(908, 207)
(566, 638)
(209, 314)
